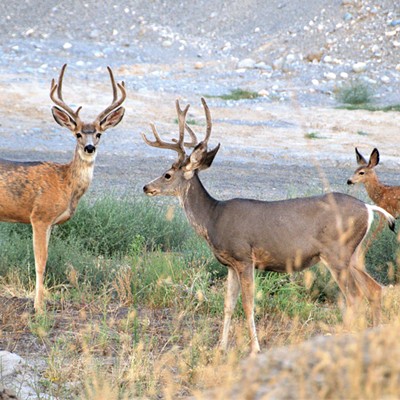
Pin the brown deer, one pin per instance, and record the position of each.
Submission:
(387, 197)
(281, 236)
(44, 194)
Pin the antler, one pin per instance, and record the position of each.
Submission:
(179, 144)
(194, 141)
(115, 103)
(60, 101)
(176, 145)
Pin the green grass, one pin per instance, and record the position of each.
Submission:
(312, 135)
(371, 107)
(136, 299)
(237, 94)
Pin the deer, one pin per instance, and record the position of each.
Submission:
(385, 196)
(282, 236)
(45, 194)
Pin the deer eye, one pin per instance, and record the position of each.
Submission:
(78, 135)
(167, 176)
(98, 135)
(361, 173)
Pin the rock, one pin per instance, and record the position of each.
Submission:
(262, 65)
(359, 67)
(314, 55)
(344, 75)
(330, 76)
(315, 82)
(67, 46)
(246, 63)
(278, 63)
(263, 92)
(198, 65)
(385, 79)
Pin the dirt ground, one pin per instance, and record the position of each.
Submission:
(265, 152)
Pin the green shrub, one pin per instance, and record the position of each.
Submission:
(355, 93)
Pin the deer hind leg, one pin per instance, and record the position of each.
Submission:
(231, 296)
(41, 236)
(349, 288)
(247, 285)
(371, 289)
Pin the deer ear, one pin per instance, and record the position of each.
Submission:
(209, 158)
(360, 159)
(374, 158)
(200, 159)
(112, 119)
(62, 118)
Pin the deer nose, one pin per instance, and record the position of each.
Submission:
(145, 188)
(349, 182)
(90, 149)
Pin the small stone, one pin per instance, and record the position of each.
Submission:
(396, 43)
(344, 75)
(330, 76)
(198, 65)
(246, 63)
(263, 92)
(29, 32)
(315, 55)
(348, 16)
(398, 67)
(359, 67)
(385, 79)
(278, 63)
(328, 59)
(166, 43)
(67, 46)
(315, 82)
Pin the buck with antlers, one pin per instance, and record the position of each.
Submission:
(385, 196)
(281, 236)
(44, 194)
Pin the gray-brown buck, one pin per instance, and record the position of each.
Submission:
(44, 194)
(282, 236)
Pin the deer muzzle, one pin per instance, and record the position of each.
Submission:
(89, 149)
(147, 189)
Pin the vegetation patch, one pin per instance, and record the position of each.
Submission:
(135, 303)
(238, 94)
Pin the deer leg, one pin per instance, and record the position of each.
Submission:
(348, 287)
(41, 236)
(247, 286)
(371, 289)
(231, 296)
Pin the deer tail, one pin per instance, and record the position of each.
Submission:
(389, 217)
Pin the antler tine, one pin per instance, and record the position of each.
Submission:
(59, 99)
(115, 102)
(208, 119)
(193, 136)
(164, 145)
(181, 121)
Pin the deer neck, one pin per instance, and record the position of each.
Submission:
(374, 188)
(198, 205)
(80, 173)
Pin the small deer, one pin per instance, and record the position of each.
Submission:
(282, 236)
(387, 197)
(45, 194)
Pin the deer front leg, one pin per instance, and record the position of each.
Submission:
(231, 296)
(247, 284)
(41, 236)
